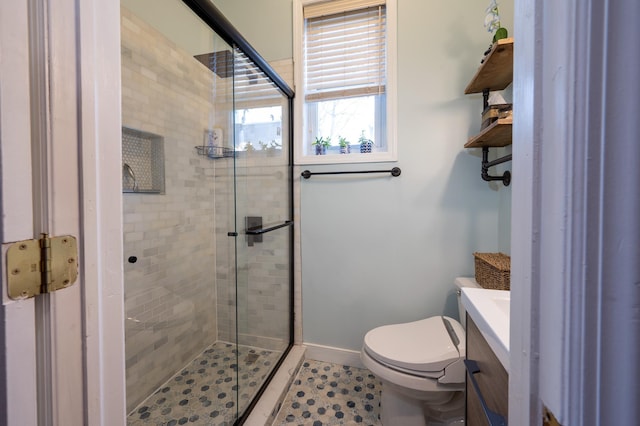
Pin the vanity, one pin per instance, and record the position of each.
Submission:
(487, 360)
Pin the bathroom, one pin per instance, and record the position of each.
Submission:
(405, 240)
(378, 257)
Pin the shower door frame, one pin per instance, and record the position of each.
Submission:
(225, 30)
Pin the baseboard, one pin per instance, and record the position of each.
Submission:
(333, 355)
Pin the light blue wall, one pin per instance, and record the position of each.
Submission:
(266, 24)
(379, 250)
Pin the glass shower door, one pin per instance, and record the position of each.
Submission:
(178, 184)
(207, 201)
(263, 219)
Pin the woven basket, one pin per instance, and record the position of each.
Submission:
(493, 270)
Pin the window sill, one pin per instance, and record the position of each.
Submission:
(352, 158)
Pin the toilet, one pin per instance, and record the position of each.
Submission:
(421, 367)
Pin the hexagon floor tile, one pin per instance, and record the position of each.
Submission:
(330, 394)
(206, 391)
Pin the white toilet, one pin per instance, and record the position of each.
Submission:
(421, 367)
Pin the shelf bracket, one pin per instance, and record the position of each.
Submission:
(486, 164)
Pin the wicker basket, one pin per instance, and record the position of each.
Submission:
(493, 270)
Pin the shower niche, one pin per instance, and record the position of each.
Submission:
(208, 318)
(142, 162)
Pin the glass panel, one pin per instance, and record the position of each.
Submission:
(180, 326)
(263, 197)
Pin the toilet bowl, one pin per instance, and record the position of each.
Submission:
(421, 367)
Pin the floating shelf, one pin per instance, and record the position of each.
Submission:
(497, 134)
(496, 72)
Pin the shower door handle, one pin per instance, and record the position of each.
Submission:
(260, 231)
(255, 230)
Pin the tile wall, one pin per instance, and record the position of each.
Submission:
(260, 313)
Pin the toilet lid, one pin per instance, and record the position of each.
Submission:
(423, 346)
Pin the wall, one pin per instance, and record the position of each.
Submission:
(176, 21)
(381, 250)
(266, 24)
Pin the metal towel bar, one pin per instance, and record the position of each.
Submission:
(394, 172)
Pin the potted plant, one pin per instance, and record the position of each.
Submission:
(273, 146)
(321, 145)
(492, 22)
(365, 144)
(345, 148)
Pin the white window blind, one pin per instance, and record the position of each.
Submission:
(251, 86)
(344, 49)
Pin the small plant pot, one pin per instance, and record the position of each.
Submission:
(365, 148)
(321, 150)
(345, 149)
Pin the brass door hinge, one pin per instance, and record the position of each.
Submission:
(41, 266)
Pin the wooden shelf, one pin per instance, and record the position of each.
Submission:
(498, 134)
(496, 72)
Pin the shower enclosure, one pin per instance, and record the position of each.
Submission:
(207, 186)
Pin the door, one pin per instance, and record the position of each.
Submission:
(61, 360)
(263, 221)
(178, 186)
(207, 291)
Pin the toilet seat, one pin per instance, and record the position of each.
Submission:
(423, 348)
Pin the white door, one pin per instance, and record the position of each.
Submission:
(62, 355)
(576, 213)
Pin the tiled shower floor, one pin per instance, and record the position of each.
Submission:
(331, 394)
(206, 391)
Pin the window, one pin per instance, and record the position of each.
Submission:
(259, 129)
(345, 81)
(259, 108)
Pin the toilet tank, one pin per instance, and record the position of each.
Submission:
(460, 283)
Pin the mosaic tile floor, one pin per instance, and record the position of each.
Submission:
(331, 394)
(206, 391)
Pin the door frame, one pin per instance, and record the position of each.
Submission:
(101, 193)
(81, 109)
(575, 216)
(18, 353)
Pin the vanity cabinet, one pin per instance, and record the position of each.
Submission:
(492, 380)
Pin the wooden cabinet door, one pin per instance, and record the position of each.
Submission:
(492, 379)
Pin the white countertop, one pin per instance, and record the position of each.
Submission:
(489, 310)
